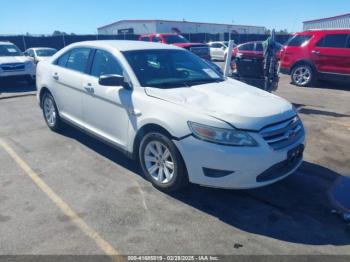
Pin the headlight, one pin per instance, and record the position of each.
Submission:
(221, 135)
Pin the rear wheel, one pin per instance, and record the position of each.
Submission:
(50, 112)
(162, 163)
(303, 75)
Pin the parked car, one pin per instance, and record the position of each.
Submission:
(202, 50)
(165, 107)
(249, 50)
(218, 50)
(40, 53)
(253, 49)
(14, 65)
(317, 54)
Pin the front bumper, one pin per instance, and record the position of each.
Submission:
(237, 167)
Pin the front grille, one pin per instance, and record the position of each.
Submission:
(12, 67)
(283, 134)
(200, 50)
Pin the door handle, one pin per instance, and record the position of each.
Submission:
(89, 89)
(316, 52)
(55, 76)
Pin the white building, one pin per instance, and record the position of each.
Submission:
(140, 27)
(340, 21)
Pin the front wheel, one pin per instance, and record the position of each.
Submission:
(303, 75)
(162, 163)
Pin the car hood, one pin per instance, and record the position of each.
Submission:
(241, 105)
(13, 59)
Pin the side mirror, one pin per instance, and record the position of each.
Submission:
(112, 80)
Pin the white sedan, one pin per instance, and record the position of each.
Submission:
(163, 106)
(38, 54)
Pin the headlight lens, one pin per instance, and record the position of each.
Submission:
(221, 135)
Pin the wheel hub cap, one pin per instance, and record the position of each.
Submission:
(159, 162)
(49, 111)
(302, 75)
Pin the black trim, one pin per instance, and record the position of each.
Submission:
(216, 173)
(90, 61)
(280, 169)
(334, 76)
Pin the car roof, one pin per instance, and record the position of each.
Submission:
(315, 31)
(125, 45)
(37, 48)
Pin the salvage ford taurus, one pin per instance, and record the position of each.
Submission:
(165, 107)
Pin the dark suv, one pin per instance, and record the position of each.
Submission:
(317, 54)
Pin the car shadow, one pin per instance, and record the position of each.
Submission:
(311, 111)
(296, 210)
(329, 84)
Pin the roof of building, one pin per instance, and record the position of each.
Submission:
(170, 21)
(126, 45)
(327, 18)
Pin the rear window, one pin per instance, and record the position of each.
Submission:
(298, 40)
(333, 41)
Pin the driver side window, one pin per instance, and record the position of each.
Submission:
(105, 63)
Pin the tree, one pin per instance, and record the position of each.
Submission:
(58, 33)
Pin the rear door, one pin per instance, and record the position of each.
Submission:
(68, 89)
(105, 108)
(331, 54)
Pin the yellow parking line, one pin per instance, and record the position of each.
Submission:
(63, 206)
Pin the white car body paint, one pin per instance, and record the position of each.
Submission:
(116, 114)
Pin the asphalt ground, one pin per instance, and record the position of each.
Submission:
(68, 194)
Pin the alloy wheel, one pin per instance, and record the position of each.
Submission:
(159, 162)
(302, 75)
(50, 111)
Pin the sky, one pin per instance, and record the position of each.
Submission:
(85, 16)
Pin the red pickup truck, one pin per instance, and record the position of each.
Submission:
(202, 50)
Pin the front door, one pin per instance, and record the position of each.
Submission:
(105, 108)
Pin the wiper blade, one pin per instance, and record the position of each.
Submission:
(203, 81)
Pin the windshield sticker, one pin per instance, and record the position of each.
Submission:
(11, 50)
(211, 73)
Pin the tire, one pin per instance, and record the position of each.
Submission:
(162, 163)
(50, 112)
(303, 75)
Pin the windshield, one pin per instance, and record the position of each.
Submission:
(170, 68)
(10, 50)
(45, 52)
(172, 39)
